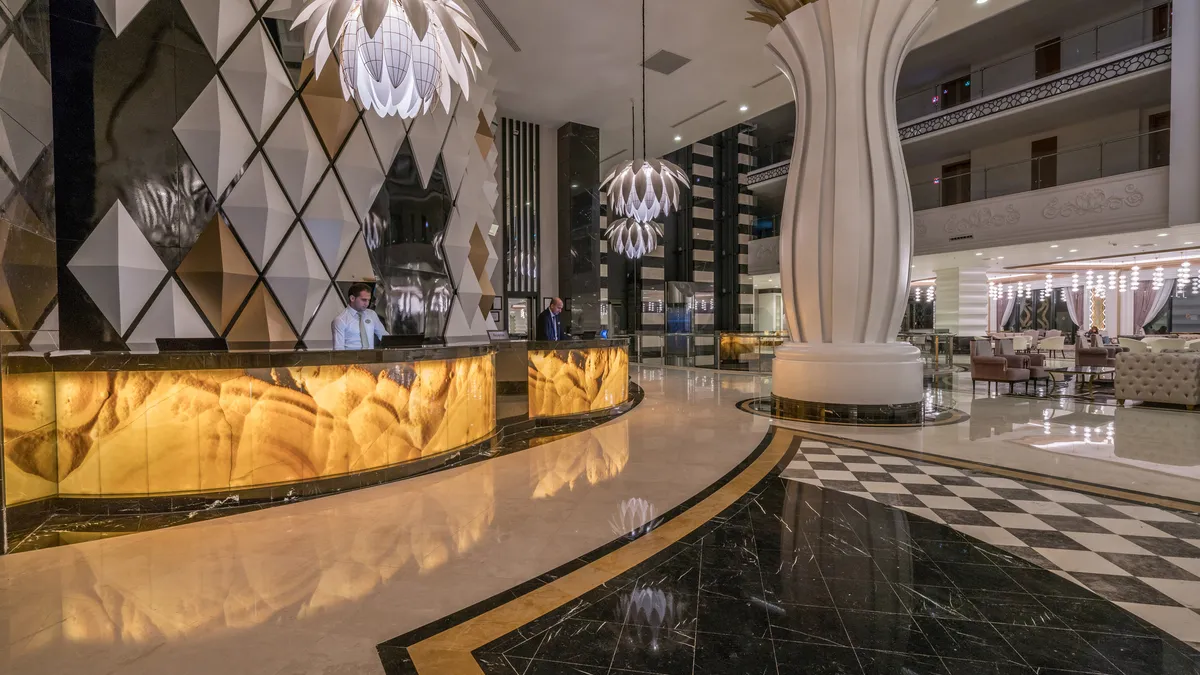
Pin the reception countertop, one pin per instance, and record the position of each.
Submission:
(210, 360)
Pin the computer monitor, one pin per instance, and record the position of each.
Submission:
(401, 341)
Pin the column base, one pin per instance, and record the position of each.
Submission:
(850, 383)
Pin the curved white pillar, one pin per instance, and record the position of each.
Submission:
(846, 245)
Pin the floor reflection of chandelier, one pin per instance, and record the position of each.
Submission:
(397, 56)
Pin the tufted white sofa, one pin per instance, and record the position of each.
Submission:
(1167, 377)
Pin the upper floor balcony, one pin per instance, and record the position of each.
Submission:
(1092, 73)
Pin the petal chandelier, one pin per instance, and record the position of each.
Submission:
(397, 57)
(641, 190)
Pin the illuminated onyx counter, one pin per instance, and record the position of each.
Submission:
(569, 377)
(150, 425)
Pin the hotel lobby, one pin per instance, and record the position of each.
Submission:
(457, 337)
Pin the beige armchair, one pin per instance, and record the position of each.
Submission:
(1193, 345)
(1173, 377)
(1168, 344)
(1135, 346)
(986, 367)
(1053, 344)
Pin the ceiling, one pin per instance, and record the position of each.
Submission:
(1054, 256)
(579, 61)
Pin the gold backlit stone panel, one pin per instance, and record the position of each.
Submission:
(574, 381)
(746, 347)
(30, 458)
(164, 432)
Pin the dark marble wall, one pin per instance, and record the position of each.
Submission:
(579, 229)
(28, 277)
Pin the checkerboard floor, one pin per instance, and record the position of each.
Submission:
(1143, 558)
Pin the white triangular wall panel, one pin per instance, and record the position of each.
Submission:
(169, 316)
(216, 140)
(258, 211)
(458, 325)
(388, 134)
(25, 93)
(357, 266)
(455, 158)
(298, 279)
(331, 222)
(320, 329)
(458, 231)
(120, 13)
(360, 170)
(18, 148)
(296, 153)
(219, 22)
(257, 80)
(46, 336)
(426, 137)
(117, 267)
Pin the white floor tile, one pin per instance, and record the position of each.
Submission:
(915, 478)
(1186, 593)
(1066, 497)
(1044, 508)
(1181, 622)
(1106, 543)
(938, 470)
(835, 475)
(1149, 514)
(885, 488)
(865, 468)
(1081, 561)
(997, 536)
(1017, 521)
(1135, 528)
(988, 481)
(972, 491)
(936, 502)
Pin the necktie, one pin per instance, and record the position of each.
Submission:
(363, 335)
(553, 327)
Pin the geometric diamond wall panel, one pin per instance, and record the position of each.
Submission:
(18, 148)
(358, 265)
(216, 140)
(261, 321)
(298, 279)
(217, 273)
(170, 315)
(219, 22)
(257, 80)
(119, 13)
(332, 114)
(319, 331)
(117, 267)
(25, 93)
(330, 222)
(426, 136)
(28, 273)
(296, 154)
(387, 133)
(481, 247)
(360, 170)
(258, 211)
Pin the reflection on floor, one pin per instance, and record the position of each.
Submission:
(1136, 448)
(798, 578)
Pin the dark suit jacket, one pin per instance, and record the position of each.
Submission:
(544, 321)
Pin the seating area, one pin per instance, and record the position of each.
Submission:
(1172, 378)
(1000, 364)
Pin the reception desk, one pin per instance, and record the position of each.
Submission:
(127, 433)
(568, 377)
(144, 425)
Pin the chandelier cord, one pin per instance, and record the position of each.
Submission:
(645, 151)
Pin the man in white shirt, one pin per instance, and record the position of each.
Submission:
(357, 327)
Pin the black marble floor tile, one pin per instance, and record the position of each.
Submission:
(802, 580)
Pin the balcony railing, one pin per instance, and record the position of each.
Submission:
(1100, 160)
(773, 153)
(1095, 44)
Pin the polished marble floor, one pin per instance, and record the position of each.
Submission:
(796, 578)
(317, 586)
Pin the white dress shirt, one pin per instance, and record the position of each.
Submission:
(351, 328)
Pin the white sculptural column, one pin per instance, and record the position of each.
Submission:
(846, 244)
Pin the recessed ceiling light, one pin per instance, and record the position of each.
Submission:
(1163, 234)
(981, 2)
(1053, 245)
(744, 108)
(1059, 258)
(1000, 258)
(678, 138)
(1187, 243)
(978, 254)
(1074, 250)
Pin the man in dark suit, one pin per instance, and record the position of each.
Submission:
(549, 327)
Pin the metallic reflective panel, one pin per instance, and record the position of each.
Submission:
(403, 232)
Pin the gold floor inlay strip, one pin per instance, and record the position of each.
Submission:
(1015, 474)
(449, 652)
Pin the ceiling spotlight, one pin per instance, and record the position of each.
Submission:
(978, 254)
(1059, 258)
(1163, 234)
(744, 108)
(1074, 250)
(981, 2)
(1000, 258)
(1053, 245)
(678, 138)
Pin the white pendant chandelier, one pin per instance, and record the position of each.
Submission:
(633, 238)
(397, 56)
(640, 190)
